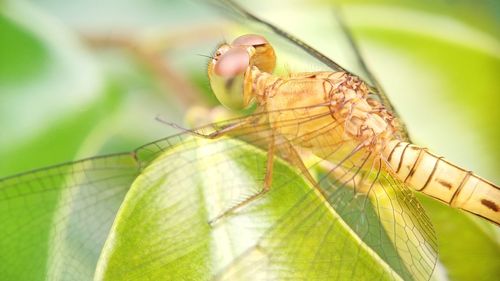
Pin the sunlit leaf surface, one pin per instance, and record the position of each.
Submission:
(162, 227)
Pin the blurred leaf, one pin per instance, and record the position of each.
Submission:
(55, 220)
(482, 15)
(442, 77)
(420, 76)
(468, 250)
(49, 80)
(22, 56)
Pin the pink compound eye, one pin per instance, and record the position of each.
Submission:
(233, 62)
(249, 40)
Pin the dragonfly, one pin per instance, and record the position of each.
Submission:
(332, 109)
(355, 184)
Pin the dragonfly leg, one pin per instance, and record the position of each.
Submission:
(226, 130)
(265, 187)
(291, 155)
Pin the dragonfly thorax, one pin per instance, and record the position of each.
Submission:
(314, 99)
(366, 120)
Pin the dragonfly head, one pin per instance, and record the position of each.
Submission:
(230, 69)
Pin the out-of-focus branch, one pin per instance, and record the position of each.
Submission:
(152, 52)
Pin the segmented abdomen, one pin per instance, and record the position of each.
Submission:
(437, 177)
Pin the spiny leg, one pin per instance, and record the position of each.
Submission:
(265, 187)
(291, 155)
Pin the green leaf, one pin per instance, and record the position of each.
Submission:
(55, 220)
(21, 54)
(469, 246)
(162, 229)
(49, 86)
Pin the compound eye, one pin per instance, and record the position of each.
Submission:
(261, 52)
(249, 40)
(232, 63)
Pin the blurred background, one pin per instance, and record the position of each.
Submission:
(84, 78)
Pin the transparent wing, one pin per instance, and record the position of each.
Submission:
(152, 208)
(242, 14)
(54, 221)
(387, 239)
(377, 88)
(356, 222)
(234, 8)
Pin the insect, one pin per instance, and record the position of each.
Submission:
(333, 115)
(358, 193)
